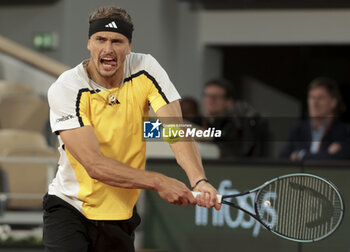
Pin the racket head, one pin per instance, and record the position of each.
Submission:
(300, 207)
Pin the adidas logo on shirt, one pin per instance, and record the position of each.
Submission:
(112, 25)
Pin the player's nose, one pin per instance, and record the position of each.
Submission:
(108, 49)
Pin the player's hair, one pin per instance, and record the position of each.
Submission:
(224, 84)
(111, 12)
(333, 90)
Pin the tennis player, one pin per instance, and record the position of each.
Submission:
(96, 109)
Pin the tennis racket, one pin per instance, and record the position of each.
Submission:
(299, 207)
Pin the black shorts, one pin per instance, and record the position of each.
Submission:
(66, 229)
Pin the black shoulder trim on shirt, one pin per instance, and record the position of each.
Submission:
(155, 83)
(77, 104)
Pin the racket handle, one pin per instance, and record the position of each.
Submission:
(218, 196)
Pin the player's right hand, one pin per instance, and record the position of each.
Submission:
(174, 191)
(207, 198)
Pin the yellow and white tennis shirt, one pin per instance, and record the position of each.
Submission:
(118, 129)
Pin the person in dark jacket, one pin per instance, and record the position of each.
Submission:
(322, 136)
(241, 125)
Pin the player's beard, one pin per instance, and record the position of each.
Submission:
(109, 75)
(101, 65)
(105, 75)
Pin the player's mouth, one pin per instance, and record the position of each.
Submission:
(108, 63)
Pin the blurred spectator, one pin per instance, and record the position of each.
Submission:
(239, 123)
(322, 135)
(190, 110)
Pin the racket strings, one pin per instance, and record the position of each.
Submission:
(300, 207)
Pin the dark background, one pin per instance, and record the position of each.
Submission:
(270, 4)
(290, 68)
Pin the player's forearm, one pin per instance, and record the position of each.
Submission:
(188, 157)
(115, 173)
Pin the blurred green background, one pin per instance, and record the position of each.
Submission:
(190, 229)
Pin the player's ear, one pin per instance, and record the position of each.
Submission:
(129, 48)
(88, 45)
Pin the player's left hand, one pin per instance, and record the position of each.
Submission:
(207, 198)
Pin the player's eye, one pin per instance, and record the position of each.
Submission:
(100, 39)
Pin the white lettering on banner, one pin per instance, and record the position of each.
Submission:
(191, 132)
(224, 216)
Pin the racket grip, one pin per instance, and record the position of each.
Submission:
(218, 196)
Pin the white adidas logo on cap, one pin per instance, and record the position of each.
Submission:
(112, 25)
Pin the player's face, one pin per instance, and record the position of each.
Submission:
(108, 51)
(321, 103)
(215, 102)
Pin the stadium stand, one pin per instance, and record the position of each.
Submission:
(29, 112)
(31, 178)
(11, 89)
(26, 180)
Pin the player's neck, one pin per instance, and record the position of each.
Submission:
(107, 82)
